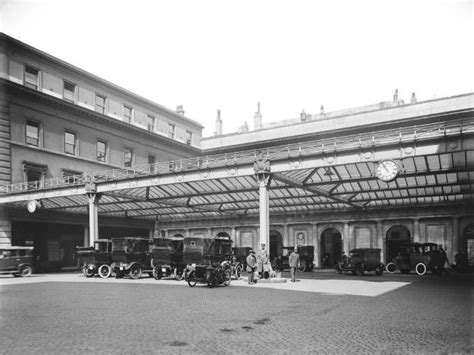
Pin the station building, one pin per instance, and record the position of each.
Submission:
(373, 176)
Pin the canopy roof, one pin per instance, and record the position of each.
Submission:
(337, 174)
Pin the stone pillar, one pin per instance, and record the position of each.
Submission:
(455, 242)
(314, 231)
(379, 238)
(416, 230)
(86, 236)
(262, 170)
(93, 197)
(286, 235)
(346, 243)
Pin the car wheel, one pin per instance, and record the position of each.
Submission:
(420, 269)
(104, 271)
(391, 267)
(378, 270)
(192, 280)
(135, 272)
(238, 272)
(156, 273)
(303, 266)
(227, 277)
(360, 269)
(87, 272)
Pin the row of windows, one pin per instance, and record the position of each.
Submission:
(33, 134)
(69, 93)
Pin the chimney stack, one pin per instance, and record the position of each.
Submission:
(218, 131)
(180, 110)
(257, 118)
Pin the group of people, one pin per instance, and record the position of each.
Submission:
(259, 266)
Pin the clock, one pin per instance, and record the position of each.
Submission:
(387, 170)
(32, 205)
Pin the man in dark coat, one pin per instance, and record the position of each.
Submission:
(251, 266)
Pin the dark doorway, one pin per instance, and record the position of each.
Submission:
(396, 237)
(331, 247)
(276, 244)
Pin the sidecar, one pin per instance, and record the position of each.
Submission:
(208, 260)
(167, 257)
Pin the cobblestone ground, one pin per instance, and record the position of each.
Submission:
(429, 315)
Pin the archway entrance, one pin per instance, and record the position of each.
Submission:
(468, 239)
(331, 247)
(222, 235)
(276, 244)
(395, 238)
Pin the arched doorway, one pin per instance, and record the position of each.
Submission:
(331, 247)
(222, 235)
(395, 238)
(468, 240)
(178, 236)
(276, 244)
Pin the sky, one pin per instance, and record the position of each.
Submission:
(289, 55)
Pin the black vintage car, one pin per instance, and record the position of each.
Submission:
(18, 261)
(97, 259)
(361, 260)
(208, 260)
(306, 253)
(420, 257)
(130, 256)
(167, 257)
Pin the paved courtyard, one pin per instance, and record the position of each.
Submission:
(321, 313)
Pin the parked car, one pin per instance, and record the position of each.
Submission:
(18, 261)
(130, 256)
(420, 257)
(361, 260)
(306, 253)
(97, 259)
(167, 257)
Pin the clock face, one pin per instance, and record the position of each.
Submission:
(387, 170)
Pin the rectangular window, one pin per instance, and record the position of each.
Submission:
(31, 77)
(71, 176)
(101, 151)
(150, 123)
(70, 143)
(128, 157)
(171, 130)
(127, 114)
(69, 91)
(189, 137)
(32, 133)
(100, 103)
(151, 162)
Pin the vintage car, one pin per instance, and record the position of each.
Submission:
(208, 260)
(167, 257)
(18, 261)
(97, 259)
(420, 257)
(130, 256)
(361, 260)
(306, 253)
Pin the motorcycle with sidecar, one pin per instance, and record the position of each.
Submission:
(208, 260)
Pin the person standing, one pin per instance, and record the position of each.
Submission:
(294, 261)
(262, 259)
(251, 266)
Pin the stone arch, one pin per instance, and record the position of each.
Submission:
(330, 248)
(276, 244)
(178, 235)
(222, 235)
(395, 237)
